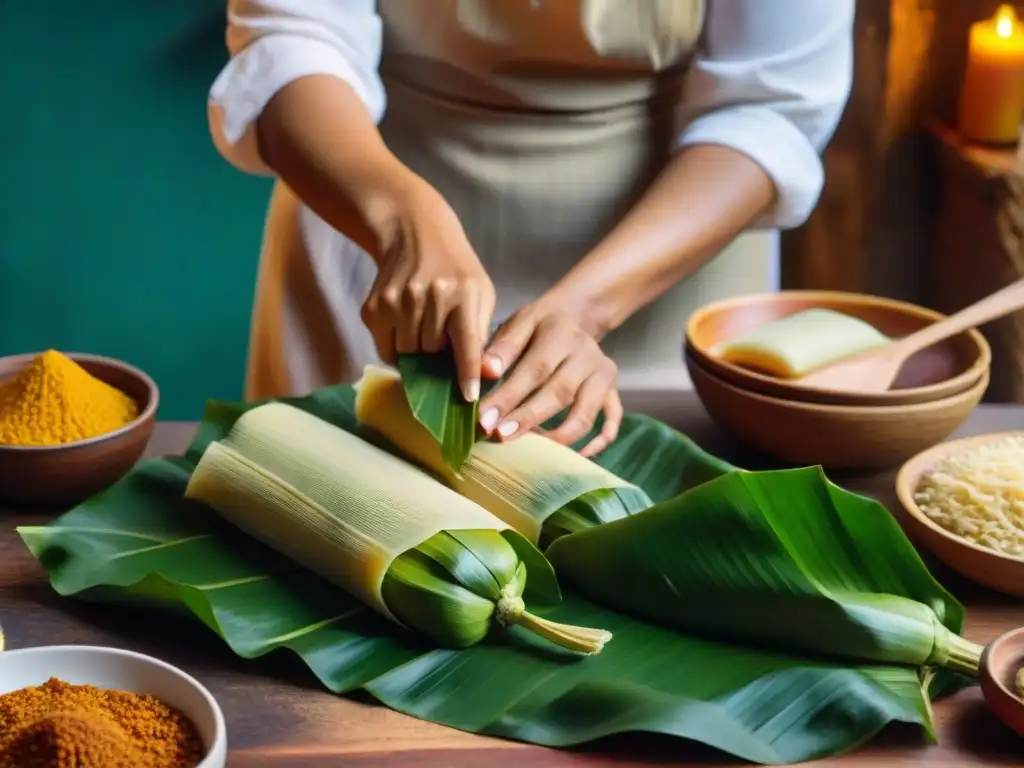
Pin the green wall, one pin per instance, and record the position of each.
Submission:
(122, 232)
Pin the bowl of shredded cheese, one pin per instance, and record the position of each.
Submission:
(965, 503)
(70, 425)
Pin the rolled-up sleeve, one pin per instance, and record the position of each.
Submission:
(275, 42)
(771, 82)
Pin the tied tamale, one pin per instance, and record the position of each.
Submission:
(542, 489)
(378, 527)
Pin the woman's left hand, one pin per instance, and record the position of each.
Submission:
(558, 364)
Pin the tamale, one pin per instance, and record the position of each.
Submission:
(412, 549)
(539, 487)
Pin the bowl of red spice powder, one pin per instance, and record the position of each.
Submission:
(71, 425)
(93, 707)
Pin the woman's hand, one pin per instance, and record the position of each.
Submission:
(317, 134)
(557, 364)
(430, 289)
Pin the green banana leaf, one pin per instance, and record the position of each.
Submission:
(657, 458)
(336, 405)
(143, 537)
(142, 542)
(428, 381)
(780, 559)
(435, 400)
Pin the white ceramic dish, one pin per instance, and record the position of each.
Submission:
(123, 671)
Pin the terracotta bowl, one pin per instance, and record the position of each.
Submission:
(836, 436)
(979, 564)
(1001, 660)
(941, 371)
(64, 475)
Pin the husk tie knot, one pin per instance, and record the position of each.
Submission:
(510, 606)
(510, 609)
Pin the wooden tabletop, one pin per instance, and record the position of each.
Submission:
(277, 715)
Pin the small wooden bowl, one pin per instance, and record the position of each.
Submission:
(979, 564)
(64, 475)
(1000, 661)
(836, 436)
(943, 370)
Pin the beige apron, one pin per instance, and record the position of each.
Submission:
(541, 122)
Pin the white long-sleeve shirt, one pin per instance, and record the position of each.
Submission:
(770, 80)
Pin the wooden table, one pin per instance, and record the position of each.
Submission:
(277, 716)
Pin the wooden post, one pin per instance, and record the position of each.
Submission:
(874, 228)
(827, 252)
(980, 248)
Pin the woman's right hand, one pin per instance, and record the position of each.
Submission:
(431, 289)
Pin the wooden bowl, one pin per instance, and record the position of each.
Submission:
(985, 566)
(836, 436)
(64, 475)
(941, 371)
(1000, 661)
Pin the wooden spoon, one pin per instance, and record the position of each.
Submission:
(876, 370)
(1000, 669)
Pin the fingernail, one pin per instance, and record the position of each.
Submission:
(508, 428)
(472, 390)
(489, 419)
(494, 363)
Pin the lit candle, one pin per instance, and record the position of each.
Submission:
(992, 96)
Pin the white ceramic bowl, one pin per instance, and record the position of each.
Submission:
(120, 670)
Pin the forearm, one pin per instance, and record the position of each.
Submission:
(318, 136)
(703, 199)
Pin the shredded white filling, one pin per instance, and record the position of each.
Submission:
(979, 495)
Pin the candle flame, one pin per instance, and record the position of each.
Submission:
(1006, 21)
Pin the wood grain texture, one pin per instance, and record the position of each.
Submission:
(874, 230)
(980, 248)
(278, 717)
(828, 253)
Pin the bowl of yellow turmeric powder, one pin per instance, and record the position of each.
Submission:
(86, 706)
(70, 425)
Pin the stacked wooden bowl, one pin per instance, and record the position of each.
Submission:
(936, 391)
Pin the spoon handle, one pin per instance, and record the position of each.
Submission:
(1002, 302)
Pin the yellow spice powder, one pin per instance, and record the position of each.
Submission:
(55, 401)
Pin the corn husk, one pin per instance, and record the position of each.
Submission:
(540, 488)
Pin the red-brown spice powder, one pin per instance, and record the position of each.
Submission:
(58, 725)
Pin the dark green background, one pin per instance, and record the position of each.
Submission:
(122, 230)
